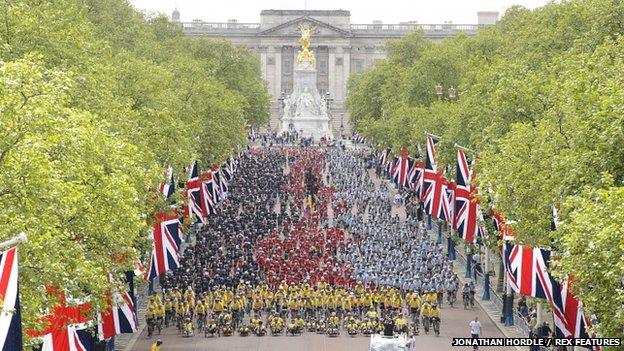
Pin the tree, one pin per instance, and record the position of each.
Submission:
(540, 102)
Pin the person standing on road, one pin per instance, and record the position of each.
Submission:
(411, 344)
(156, 345)
(475, 330)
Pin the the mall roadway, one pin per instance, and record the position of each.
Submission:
(454, 324)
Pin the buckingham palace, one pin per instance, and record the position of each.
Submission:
(341, 47)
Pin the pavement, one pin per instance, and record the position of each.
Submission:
(454, 324)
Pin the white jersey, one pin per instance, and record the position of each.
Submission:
(475, 327)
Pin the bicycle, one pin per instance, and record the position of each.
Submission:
(465, 299)
(435, 321)
(159, 324)
(451, 297)
(150, 327)
(201, 322)
(426, 321)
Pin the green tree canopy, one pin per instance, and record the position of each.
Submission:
(95, 98)
(540, 103)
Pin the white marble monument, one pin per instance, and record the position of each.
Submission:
(305, 110)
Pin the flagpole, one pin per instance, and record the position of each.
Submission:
(463, 148)
(432, 135)
(21, 238)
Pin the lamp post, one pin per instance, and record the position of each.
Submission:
(328, 101)
(451, 247)
(342, 125)
(281, 99)
(439, 90)
(468, 261)
(452, 92)
(486, 276)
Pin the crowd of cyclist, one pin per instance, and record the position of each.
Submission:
(293, 309)
(220, 290)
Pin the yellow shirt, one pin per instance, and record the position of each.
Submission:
(435, 312)
(415, 302)
(155, 347)
(425, 311)
(432, 297)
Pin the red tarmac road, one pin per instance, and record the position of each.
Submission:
(454, 324)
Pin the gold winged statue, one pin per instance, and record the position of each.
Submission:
(305, 54)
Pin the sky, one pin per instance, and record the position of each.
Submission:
(362, 11)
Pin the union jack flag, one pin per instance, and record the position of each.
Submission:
(168, 188)
(357, 138)
(383, 156)
(118, 318)
(415, 177)
(10, 319)
(430, 176)
(570, 321)
(66, 326)
(167, 238)
(199, 202)
(213, 191)
(226, 171)
(504, 230)
(391, 167)
(465, 204)
(194, 171)
(74, 337)
(527, 273)
(232, 165)
(527, 270)
(223, 182)
(402, 166)
(450, 194)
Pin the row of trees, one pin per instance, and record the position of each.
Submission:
(95, 98)
(541, 103)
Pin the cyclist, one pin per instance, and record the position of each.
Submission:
(434, 315)
(156, 345)
(425, 313)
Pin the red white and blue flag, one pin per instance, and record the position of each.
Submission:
(450, 194)
(168, 188)
(415, 177)
(212, 191)
(167, 238)
(74, 337)
(10, 319)
(66, 326)
(193, 171)
(465, 204)
(440, 205)
(430, 176)
(198, 200)
(118, 318)
(527, 272)
(570, 321)
(402, 167)
(383, 156)
(226, 171)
